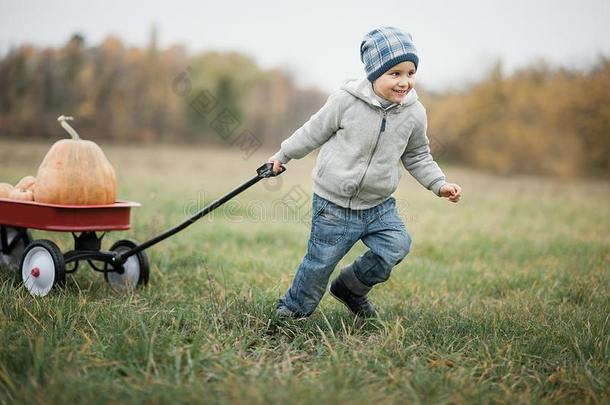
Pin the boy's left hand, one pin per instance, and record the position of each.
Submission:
(452, 191)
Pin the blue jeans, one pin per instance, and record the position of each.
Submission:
(334, 230)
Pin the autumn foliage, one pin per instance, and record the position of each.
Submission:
(127, 94)
(538, 120)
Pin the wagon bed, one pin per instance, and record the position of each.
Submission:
(66, 218)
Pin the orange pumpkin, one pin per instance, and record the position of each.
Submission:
(75, 172)
(21, 194)
(5, 190)
(26, 183)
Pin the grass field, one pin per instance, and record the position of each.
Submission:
(504, 297)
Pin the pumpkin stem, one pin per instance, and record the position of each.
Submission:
(62, 120)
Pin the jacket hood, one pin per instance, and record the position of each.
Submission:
(363, 89)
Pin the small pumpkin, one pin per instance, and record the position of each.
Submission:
(21, 194)
(26, 183)
(75, 172)
(5, 190)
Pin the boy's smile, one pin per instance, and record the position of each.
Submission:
(394, 84)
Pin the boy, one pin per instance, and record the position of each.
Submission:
(366, 129)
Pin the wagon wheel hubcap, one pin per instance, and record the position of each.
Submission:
(38, 271)
(129, 279)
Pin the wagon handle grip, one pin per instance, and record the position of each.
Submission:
(266, 170)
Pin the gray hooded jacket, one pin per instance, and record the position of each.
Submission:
(363, 145)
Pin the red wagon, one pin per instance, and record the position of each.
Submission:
(41, 264)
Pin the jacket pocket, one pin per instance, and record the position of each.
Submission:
(395, 177)
(321, 167)
(324, 158)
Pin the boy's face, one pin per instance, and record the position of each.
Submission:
(394, 84)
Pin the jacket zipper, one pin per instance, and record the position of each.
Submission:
(381, 130)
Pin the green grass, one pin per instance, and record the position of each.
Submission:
(503, 299)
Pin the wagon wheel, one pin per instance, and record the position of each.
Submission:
(11, 258)
(42, 267)
(135, 268)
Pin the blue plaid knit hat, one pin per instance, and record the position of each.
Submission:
(385, 47)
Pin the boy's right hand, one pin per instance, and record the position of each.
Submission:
(276, 165)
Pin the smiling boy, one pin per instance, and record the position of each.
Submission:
(366, 131)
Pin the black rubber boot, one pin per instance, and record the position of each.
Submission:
(352, 293)
(284, 313)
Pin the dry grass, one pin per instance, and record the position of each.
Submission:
(504, 297)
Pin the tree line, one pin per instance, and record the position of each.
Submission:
(126, 94)
(537, 120)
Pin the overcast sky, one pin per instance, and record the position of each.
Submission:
(318, 40)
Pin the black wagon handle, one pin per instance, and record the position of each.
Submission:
(263, 172)
(266, 170)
